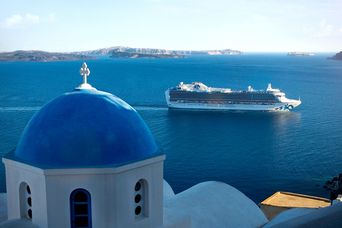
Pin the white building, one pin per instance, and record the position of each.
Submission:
(87, 159)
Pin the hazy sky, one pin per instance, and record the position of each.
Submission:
(254, 25)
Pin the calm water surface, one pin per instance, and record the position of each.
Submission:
(258, 153)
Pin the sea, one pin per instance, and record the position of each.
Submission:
(258, 153)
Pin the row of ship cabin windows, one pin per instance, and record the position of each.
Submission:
(80, 204)
(225, 102)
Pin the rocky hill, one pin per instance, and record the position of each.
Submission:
(140, 55)
(113, 52)
(41, 56)
(338, 56)
(118, 51)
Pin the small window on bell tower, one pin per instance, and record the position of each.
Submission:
(25, 199)
(140, 199)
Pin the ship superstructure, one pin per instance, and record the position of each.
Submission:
(199, 96)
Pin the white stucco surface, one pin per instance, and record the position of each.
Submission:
(3, 207)
(214, 204)
(51, 189)
(167, 191)
(18, 223)
(289, 214)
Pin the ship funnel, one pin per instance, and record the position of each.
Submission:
(269, 87)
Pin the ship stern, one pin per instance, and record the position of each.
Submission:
(294, 103)
(167, 97)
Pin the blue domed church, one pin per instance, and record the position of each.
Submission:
(87, 159)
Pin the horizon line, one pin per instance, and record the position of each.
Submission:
(252, 51)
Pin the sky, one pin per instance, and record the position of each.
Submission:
(249, 26)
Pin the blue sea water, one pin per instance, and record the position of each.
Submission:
(257, 152)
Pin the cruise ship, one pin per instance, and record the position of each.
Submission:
(199, 96)
(297, 53)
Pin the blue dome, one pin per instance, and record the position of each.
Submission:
(85, 128)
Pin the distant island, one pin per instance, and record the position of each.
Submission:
(135, 55)
(113, 52)
(128, 52)
(41, 56)
(119, 50)
(298, 53)
(338, 56)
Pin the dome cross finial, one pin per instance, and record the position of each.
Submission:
(84, 72)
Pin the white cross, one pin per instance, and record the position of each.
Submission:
(84, 71)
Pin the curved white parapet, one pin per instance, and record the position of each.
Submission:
(288, 215)
(214, 204)
(300, 217)
(168, 192)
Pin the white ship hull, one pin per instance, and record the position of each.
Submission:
(284, 106)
